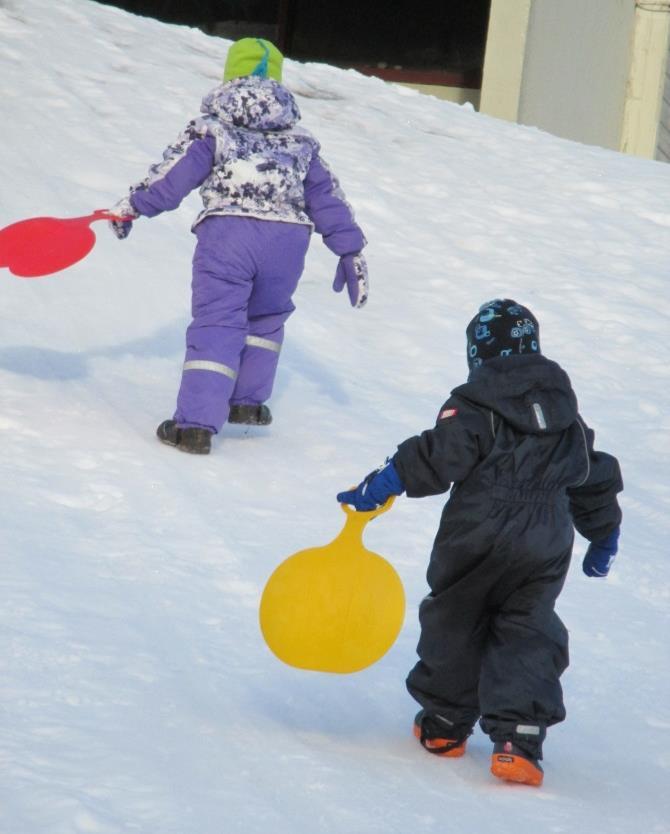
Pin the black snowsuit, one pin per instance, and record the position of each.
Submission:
(524, 473)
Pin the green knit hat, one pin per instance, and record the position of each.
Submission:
(253, 56)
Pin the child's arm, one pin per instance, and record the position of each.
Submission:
(593, 503)
(333, 218)
(327, 207)
(166, 190)
(431, 462)
(595, 510)
(185, 166)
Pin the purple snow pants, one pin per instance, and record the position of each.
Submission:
(244, 274)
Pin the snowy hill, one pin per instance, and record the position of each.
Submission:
(136, 692)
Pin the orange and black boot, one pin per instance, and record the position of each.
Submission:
(512, 764)
(439, 736)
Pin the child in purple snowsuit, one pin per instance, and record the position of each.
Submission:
(264, 187)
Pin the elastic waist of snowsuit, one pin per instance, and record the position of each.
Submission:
(530, 495)
(297, 219)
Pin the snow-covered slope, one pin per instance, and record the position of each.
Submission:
(136, 692)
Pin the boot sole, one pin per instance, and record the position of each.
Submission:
(427, 744)
(512, 768)
(192, 451)
(250, 422)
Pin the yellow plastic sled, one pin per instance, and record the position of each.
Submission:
(337, 608)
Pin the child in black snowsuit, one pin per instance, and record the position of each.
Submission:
(523, 473)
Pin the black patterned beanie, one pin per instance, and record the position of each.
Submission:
(501, 328)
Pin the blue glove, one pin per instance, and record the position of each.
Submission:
(375, 490)
(353, 271)
(600, 555)
(124, 214)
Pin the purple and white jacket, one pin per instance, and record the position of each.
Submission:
(249, 159)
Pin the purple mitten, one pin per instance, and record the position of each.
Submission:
(353, 271)
(124, 215)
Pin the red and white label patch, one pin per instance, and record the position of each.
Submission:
(447, 412)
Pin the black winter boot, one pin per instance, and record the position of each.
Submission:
(250, 415)
(194, 440)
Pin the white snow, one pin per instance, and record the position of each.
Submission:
(137, 694)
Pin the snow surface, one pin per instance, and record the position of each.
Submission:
(137, 694)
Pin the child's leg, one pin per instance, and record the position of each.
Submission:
(270, 305)
(445, 681)
(224, 268)
(520, 692)
(259, 360)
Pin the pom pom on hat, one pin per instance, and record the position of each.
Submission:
(253, 56)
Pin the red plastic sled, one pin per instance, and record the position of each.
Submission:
(44, 245)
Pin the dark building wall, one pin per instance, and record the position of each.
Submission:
(404, 37)
(419, 34)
